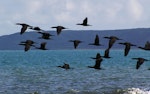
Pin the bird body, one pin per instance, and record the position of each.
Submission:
(24, 27)
(140, 62)
(146, 47)
(36, 28)
(112, 40)
(59, 29)
(127, 47)
(106, 54)
(42, 47)
(97, 62)
(85, 22)
(65, 66)
(96, 41)
(30, 42)
(76, 43)
(45, 35)
(27, 44)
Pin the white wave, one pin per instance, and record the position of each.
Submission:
(136, 91)
(72, 91)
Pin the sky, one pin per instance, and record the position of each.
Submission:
(102, 14)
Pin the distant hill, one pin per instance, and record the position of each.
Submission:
(136, 36)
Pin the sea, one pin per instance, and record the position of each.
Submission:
(36, 72)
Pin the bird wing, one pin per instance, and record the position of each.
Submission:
(27, 47)
(127, 49)
(139, 63)
(23, 29)
(76, 44)
(97, 40)
(106, 54)
(97, 63)
(111, 42)
(43, 45)
(85, 21)
(59, 29)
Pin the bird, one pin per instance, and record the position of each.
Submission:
(42, 47)
(45, 35)
(24, 27)
(96, 42)
(97, 56)
(146, 47)
(127, 47)
(106, 54)
(112, 40)
(36, 28)
(27, 44)
(65, 66)
(76, 43)
(97, 62)
(140, 62)
(84, 23)
(59, 29)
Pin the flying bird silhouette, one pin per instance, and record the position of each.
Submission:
(127, 47)
(36, 28)
(140, 62)
(30, 42)
(146, 47)
(24, 27)
(106, 54)
(27, 44)
(42, 47)
(97, 62)
(45, 35)
(76, 43)
(85, 22)
(65, 66)
(59, 29)
(112, 40)
(96, 42)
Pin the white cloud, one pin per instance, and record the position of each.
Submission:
(70, 6)
(113, 11)
(102, 14)
(34, 6)
(135, 9)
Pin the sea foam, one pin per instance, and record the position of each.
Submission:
(136, 91)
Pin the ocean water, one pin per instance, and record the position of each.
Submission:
(35, 72)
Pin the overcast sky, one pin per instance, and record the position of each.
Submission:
(102, 14)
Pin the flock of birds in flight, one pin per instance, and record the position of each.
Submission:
(98, 59)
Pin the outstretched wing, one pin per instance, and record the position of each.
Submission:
(85, 21)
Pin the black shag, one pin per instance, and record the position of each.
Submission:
(140, 62)
(59, 29)
(76, 43)
(36, 28)
(24, 27)
(112, 40)
(85, 22)
(106, 53)
(65, 66)
(127, 47)
(146, 47)
(43, 46)
(45, 35)
(27, 44)
(98, 61)
(96, 41)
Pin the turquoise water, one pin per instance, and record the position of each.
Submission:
(35, 71)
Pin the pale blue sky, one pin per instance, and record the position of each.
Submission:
(102, 14)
